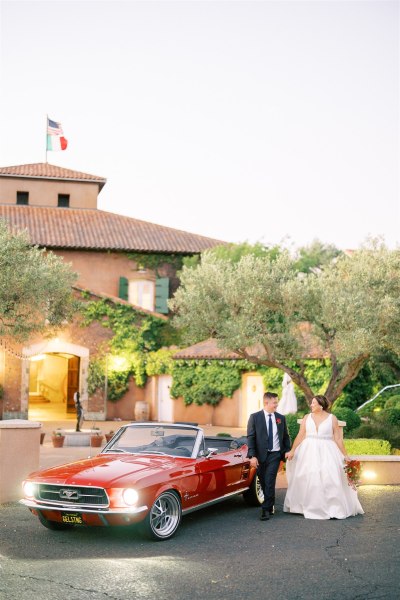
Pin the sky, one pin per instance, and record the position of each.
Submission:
(259, 121)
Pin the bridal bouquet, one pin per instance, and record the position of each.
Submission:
(353, 468)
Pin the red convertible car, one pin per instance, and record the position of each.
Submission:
(149, 474)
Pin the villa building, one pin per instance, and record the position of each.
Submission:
(59, 209)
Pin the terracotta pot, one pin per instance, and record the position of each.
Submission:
(58, 441)
(96, 441)
(108, 436)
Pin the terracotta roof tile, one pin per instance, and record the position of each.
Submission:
(209, 350)
(205, 350)
(47, 171)
(54, 227)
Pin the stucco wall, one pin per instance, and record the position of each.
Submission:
(225, 414)
(45, 192)
(100, 271)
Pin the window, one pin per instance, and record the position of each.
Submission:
(63, 200)
(141, 293)
(23, 198)
(146, 293)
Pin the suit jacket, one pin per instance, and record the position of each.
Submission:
(257, 435)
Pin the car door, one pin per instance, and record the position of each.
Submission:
(220, 474)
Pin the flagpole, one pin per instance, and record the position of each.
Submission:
(47, 122)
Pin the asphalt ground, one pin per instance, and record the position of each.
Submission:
(219, 553)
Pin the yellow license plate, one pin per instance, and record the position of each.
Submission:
(73, 518)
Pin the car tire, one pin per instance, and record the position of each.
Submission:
(254, 495)
(53, 525)
(163, 518)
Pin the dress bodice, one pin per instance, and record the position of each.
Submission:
(323, 432)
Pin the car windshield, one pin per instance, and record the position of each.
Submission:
(155, 439)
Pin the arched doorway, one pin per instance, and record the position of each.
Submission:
(53, 372)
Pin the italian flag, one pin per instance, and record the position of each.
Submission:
(55, 136)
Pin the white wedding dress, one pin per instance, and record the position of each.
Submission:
(288, 402)
(317, 483)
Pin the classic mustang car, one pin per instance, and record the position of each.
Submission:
(149, 474)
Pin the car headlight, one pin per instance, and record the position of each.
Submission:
(130, 496)
(29, 489)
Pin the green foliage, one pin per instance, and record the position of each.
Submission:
(35, 288)
(378, 430)
(159, 362)
(117, 381)
(96, 376)
(118, 384)
(133, 331)
(390, 416)
(316, 371)
(205, 382)
(292, 425)
(235, 252)
(393, 401)
(136, 336)
(346, 414)
(346, 312)
(155, 261)
(359, 447)
(315, 256)
(359, 390)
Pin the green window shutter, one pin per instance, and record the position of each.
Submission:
(162, 294)
(123, 288)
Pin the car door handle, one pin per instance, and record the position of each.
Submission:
(238, 455)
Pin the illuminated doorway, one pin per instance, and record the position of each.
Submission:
(52, 374)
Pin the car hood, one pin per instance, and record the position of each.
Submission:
(106, 470)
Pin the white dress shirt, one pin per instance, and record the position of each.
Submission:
(276, 445)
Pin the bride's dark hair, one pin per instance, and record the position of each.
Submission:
(323, 401)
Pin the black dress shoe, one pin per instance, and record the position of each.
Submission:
(264, 515)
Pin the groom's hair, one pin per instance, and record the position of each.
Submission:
(269, 395)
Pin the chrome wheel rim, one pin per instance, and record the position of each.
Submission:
(165, 515)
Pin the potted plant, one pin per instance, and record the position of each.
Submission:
(109, 435)
(96, 439)
(58, 439)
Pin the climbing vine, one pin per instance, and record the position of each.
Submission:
(154, 261)
(206, 381)
(136, 335)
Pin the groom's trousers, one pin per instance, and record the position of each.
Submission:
(267, 472)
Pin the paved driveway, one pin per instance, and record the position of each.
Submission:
(223, 552)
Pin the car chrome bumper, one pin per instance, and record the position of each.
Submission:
(83, 509)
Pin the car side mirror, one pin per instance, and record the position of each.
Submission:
(211, 452)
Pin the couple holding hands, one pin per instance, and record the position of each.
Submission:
(317, 483)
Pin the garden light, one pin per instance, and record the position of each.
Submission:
(369, 474)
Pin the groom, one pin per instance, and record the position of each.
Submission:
(268, 441)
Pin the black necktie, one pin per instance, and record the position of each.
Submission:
(270, 436)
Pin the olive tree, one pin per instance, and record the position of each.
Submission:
(265, 311)
(35, 287)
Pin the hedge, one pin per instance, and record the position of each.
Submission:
(346, 414)
(364, 446)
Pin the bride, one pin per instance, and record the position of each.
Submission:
(317, 483)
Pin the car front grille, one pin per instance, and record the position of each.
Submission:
(72, 495)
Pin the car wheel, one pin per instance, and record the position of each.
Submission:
(254, 495)
(163, 518)
(53, 525)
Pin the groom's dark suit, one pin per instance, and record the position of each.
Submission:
(257, 440)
